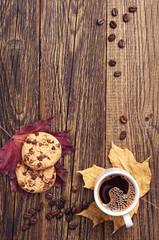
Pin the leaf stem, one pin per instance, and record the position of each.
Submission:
(150, 203)
(5, 131)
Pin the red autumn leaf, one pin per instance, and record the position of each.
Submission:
(10, 153)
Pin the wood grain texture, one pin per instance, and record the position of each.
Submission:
(54, 59)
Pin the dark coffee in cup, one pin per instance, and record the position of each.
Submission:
(116, 193)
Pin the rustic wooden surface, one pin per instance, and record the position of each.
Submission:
(54, 59)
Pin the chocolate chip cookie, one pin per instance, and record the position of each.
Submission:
(41, 150)
(35, 181)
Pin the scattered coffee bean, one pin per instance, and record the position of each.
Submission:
(126, 17)
(69, 218)
(121, 43)
(132, 9)
(67, 211)
(117, 74)
(78, 209)
(100, 21)
(113, 24)
(52, 202)
(85, 205)
(25, 227)
(54, 212)
(40, 206)
(114, 12)
(112, 63)
(32, 211)
(62, 199)
(60, 215)
(123, 119)
(48, 196)
(27, 215)
(73, 210)
(111, 37)
(72, 226)
(49, 216)
(33, 221)
(122, 135)
(74, 189)
(60, 205)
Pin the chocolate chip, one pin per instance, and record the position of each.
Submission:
(31, 151)
(111, 37)
(122, 135)
(100, 21)
(123, 119)
(85, 205)
(46, 185)
(60, 215)
(112, 63)
(54, 212)
(40, 158)
(34, 142)
(25, 227)
(48, 216)
(52, 202)
(121, 43)
(53, 148)
(117, 74)
(132, 9)
(126, 17)
(28, 140)
(74, 189)
(58, 145)
(33, 176)
(40, 206)
(113, 24)
(22, 185)
(27, 215)
(72, 226)
(32, 211)
(67, 211)
(31, 190)
(40, 144)
(24, 173)
(38, 165)
(114, 12)
(36, 134)
(33, 221)
(26, 158)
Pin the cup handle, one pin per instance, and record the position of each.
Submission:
(128, 220)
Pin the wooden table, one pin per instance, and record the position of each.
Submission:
(54, 59)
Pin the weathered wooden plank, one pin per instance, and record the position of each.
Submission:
(135, 94)
(19, 93)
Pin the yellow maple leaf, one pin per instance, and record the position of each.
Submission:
(120, 158)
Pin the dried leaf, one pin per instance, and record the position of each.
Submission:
(10, 153)
(120, 158)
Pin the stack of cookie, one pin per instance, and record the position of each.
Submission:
(36, 172)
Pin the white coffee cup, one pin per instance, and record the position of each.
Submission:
(124, 213)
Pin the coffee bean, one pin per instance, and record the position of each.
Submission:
(60, 215)
(121, 43)
(62, 199)
(123, 119)
(69, 218)
(100, 21)
(72, 226)
(52, 202)
(78, 209)
(27, 215)
(117, 74)
(132, 9)
(111, 37)
(48, 196)
(122, 135)
(49, 216)
(54, 212)
(25, 227)
(113, 24)
(32, 211)
(112, 63)
(114, 12)
(33, 221)
(126, 17)
(85, 205)
(74, 189)
(73, 210)
(60, 205)
(67, 211)
(40, 206)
